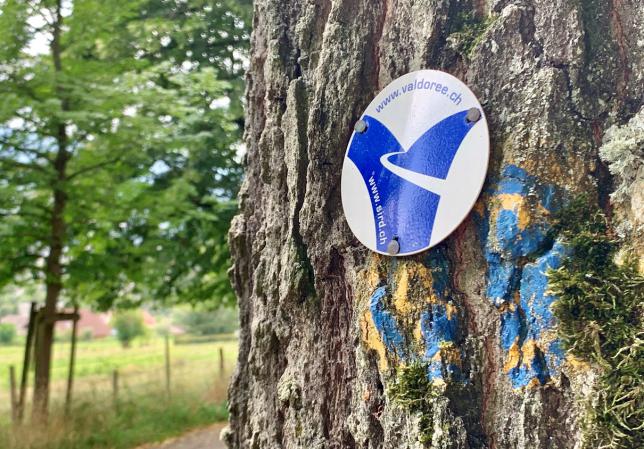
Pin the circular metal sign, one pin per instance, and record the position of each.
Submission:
(415, 164)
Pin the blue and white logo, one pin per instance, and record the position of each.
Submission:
(415, 164)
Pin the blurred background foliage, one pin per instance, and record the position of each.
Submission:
(149, 95)
(206, 322)
(120, 160)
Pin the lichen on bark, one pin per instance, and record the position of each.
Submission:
(623, 150)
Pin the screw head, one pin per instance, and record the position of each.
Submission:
(360, 126)
(473, 115)
(393, 247)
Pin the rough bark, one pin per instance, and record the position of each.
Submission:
(313, 370)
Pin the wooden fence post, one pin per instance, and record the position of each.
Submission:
(26, 361)
(167, 364)
(14, 396)
(72, 362)
(115, 389)
(221, 362)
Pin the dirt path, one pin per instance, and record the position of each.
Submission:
(206, 438)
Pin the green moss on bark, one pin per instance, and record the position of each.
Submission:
(467, 31)
(414, 392)
(600, 311)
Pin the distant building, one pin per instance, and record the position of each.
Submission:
(148, 319)
(96, 325)
(92, 324)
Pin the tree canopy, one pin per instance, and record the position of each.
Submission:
(120, 125)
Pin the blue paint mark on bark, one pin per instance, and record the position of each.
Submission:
(515, 242)
(513, 180)
(436, 328)
(511, 328)
(502, 278)
(535, 368)
(534, 283)
(537, 306)
(438, 263)
(554, 356)
(386, 324)
(520, 293)
(438, 324)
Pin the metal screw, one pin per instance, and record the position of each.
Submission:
(473, 115)
(393, 247)
(360, 126)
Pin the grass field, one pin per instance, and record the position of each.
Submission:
(143, 411)
(91, 425)
(101, 357)
(142, 363)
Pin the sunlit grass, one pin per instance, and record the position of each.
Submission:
(143, 411)
(148, 418)
(96, 360)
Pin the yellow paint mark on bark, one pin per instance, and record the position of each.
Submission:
(534, 383)
(372, 340)
(517, 298)
(523, 217)
(401, 294)
(372, 272)
(510, 201)
(515, 203)
(450, 308)
(529, 349)
(413, 280)
(450, 353)
(514, 355)
(507, 307)
(418, 333)
(577, 364)
(438, 382)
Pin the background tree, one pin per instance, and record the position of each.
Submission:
(7, 333)
(198, 35)
(128, 325)
(118, 157)
(8, 304)
(316, 363)
(197, 321)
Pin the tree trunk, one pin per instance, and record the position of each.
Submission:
(314, 370)
(53, 265)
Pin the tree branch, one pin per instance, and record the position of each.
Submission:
(22, 234)
(24, 165)
(97, 166)
(24, 213)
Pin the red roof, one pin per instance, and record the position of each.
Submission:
(96, 323)
(148, 319)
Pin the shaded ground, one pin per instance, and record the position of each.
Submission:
(206, 438)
